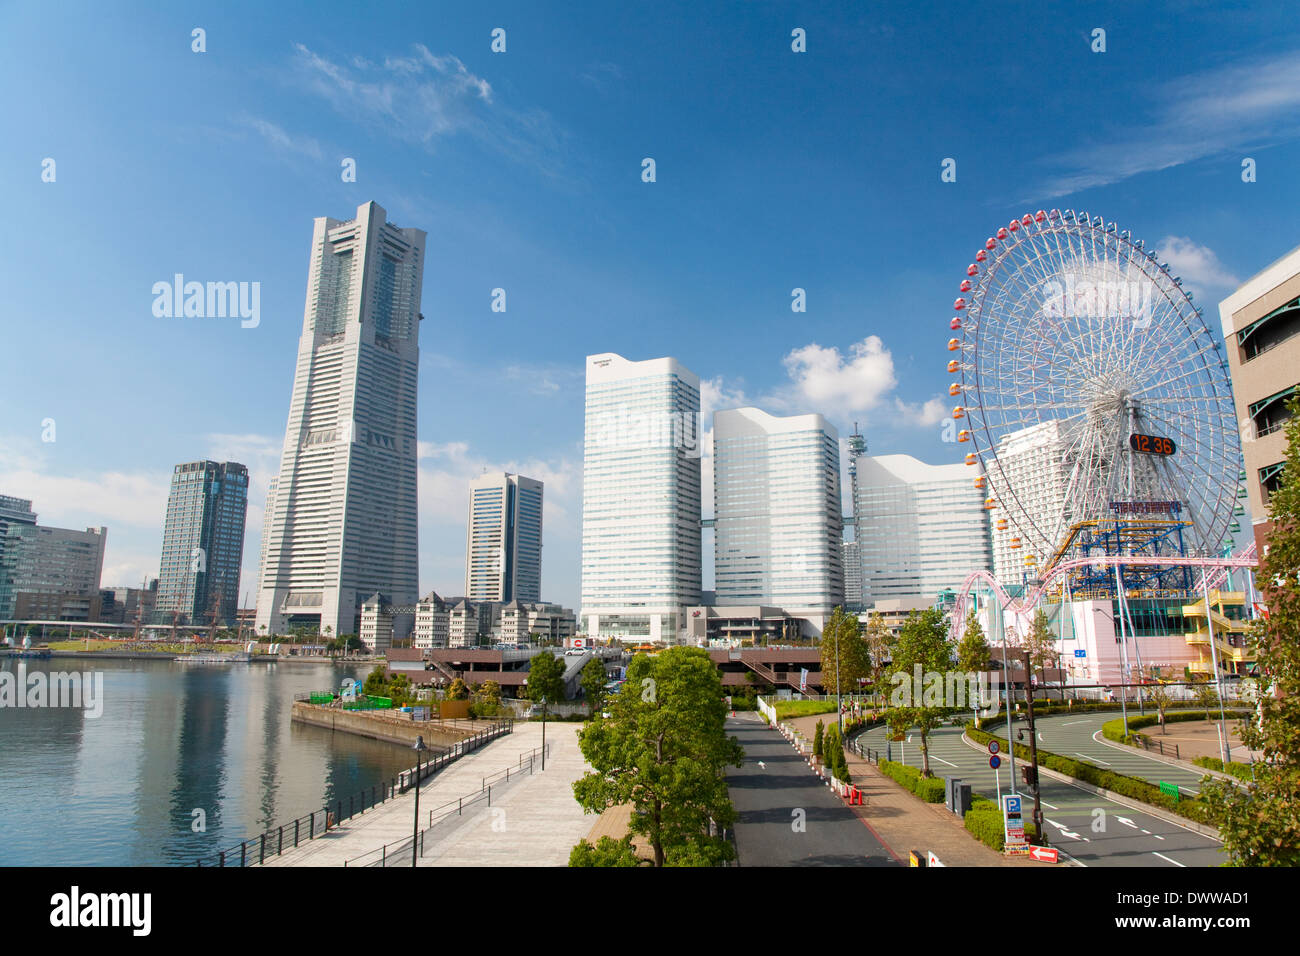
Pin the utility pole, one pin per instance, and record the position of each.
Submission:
(1033, 752)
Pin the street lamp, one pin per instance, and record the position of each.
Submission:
(543, 733)
(420, 748)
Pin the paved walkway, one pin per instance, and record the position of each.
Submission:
(904, 823)
(535, 821)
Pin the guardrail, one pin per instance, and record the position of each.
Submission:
(274, 841)
(398, 853)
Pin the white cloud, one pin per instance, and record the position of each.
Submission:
(279, 140)
(1212, 113)
(836, 385)
(928, 413)
(1198, 266)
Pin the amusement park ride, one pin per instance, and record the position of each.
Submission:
(1067, 323)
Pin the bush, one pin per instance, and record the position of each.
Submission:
(819, 737)
(1114, 729)
(1239, 770)
(930, 789)
(606, 852)
(901, 774)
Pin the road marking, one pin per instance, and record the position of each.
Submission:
(1174, 862)
(941, 760)
(1147, 832)
(1157, 836)
(1073, 722)
(1096, 759)
(1127, 822)
(1048, 805)
(1190, 790)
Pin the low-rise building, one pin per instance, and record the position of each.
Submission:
(51, 574)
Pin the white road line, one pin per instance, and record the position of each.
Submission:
(1174, 862)
(1073, 722)
(1086, 757)
(1048, 805)
(1147, 832)
(1190, 790)
(941, 760)
(1157, 836)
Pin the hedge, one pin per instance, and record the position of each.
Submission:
(930, 789)
(1241, 771)
(900, 773)
(1122, 784)
(1114, 729)
(987, 827)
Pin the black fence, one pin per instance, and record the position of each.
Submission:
(275, 841)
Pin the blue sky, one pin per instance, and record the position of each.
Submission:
(775, 170)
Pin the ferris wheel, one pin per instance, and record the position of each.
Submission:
(1079, 356)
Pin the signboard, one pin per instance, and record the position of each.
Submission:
(993, 746)
(995, 761)
(1080, 652)
(1013, 824)
(1152, 444)
(803, 680)
(1045, 854)
(579, 642)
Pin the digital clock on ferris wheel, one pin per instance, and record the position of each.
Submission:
(1152, 444)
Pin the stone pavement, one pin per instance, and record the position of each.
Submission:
(903, 822)
(535, 821)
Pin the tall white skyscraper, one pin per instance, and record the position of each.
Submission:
(343, 514)
(1032, 462)
(778, 521)
(503, 541)
(923, 528)
(640, 497)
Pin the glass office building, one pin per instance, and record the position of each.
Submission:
(503, 546)
(203, 544)
(923, 528)
(778, 522)
(641, 545)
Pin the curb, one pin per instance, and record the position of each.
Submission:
(1158, 812)
(1170, 761)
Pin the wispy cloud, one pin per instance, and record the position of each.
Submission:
(825, 380)
(1198, 266)
(425, 98)
(278, 139)
(1211, 113)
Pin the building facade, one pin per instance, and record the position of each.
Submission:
(203, 543)
(641, 542)
(503, 540)
(343, 521)
(778, 515)
(51, 574)
(923, 528)
(127, 605)
(1261, 327)
(1033, 462)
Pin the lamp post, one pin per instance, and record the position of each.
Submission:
(420, 748)
(543, 733)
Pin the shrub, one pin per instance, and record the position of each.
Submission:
(819, 736)
(930, 789)
(986, 826)
(901, 774)
(1239, 770)
(1114, 729)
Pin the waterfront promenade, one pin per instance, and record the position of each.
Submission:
(533, 820)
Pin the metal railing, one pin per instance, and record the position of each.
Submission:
(275, 841)
(398, 853)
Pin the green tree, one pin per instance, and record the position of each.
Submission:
(458, 690)
(879, 642)
(819, 739)
(593, 683)
(973, 651)
(844, 653)
(1207, 696)
(924, 642)
(1041, 644)
(546, 677)
(664, 749)
(1260, 824)
(606, 852)
(376, 684)
(1157, 692)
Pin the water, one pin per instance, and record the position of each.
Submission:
(121, 789)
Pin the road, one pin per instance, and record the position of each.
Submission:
(785, 814)
(1094, 831)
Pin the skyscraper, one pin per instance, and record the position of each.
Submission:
(1032, 461)
(343, 515)
(778, 518)
(203, 543)
(47, 574)
(923, 527)
(640, 497)
(503, 542)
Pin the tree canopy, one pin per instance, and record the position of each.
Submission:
(546, 677)
(844, 653)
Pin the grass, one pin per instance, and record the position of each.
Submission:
(787, 709)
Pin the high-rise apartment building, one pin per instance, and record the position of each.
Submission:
(852, 561)
(641, 545)
(343, 516)
(203, 543)
(1261, 326)
(1031, 464)
(503, 542)
(778, 516)
(923, 528)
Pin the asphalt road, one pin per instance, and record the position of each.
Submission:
(785, 814)
(1093, 830)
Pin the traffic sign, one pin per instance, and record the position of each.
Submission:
(1080, 652)
(1045, 854)
(995, 761)
(993, 746)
